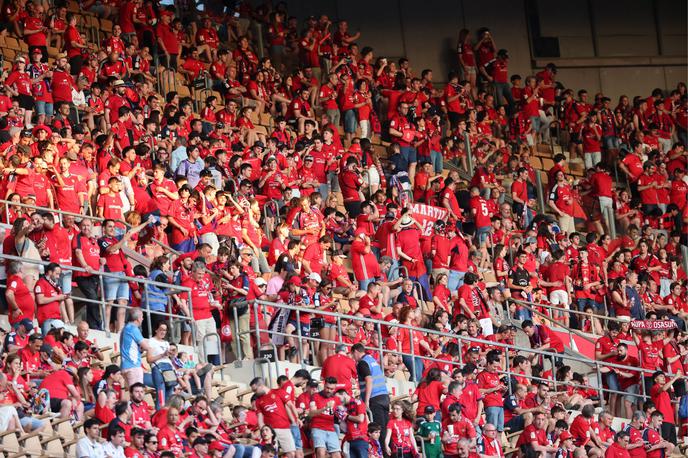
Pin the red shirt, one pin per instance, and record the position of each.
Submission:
(662, 402)
(616, 451)
(169, 439)
(57, 383)
(51, 310)
(23, 298)
(532, 434)
(168, 37)
(488, 380)
(580, 430)
(200, 297)
(429, 394)
(274, 412)
(356, 431)
(324, 421)
(342, 368)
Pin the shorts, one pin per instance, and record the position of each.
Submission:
(350, 121)
(296, 434)
(285, 440)
(305, 328)
(482, 233)
(613, 382)
(632, 393)
(30, 423)
(116, 288)
(325, 439)
(26, 102)
(44, 108)
(559, 297)
(66, 281)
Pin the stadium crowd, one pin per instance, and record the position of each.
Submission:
(274, 185)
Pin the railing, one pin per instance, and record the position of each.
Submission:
(61, 213)
(102, 303)
(598, 368)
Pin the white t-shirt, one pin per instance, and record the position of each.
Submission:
(87, 449)
(158, 347)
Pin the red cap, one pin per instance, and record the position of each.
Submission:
(355, 148)
(560, 236)
(42, 127)
(295, 280)
(565, 435)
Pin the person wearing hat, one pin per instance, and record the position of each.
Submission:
(19, 338)
(430, 430)
(200, 447)
(217, 450)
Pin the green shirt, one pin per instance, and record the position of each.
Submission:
(426, 428)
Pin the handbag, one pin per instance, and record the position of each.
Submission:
(169, 376)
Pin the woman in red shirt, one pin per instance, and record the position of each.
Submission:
(181, 218)
(399, 441)
(430, 391)
(19, 298)
(407, 316)
(18, 83)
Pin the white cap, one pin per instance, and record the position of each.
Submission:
(315, 277)
(57, 324)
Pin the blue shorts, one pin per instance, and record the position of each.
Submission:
(305, 328)
(31, 423)
(325, 439)
(44, 108)
(296, 432)
(482, 233)
(350, 121)
(116, 288)
(409, 153)
(66, 281)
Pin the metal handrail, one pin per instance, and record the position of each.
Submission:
(8, 203)
(595, 365)
(103, 303)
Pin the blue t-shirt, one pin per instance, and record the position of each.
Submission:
(129, 343)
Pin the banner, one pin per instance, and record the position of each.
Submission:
(653, 325)
(426, 215)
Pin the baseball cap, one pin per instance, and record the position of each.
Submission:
(57, 324)
(565, 435)
(46, 348)
(429, 409)
(201, 441)
(315, 277)
(27, 323)
(295, 280)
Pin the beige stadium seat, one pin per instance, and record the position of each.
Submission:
(9, 442)
(31, 444)
(64, 429)
(53, 447)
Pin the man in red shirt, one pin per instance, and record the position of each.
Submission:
(496, 71)
(356, 423)
(168, 42)
(273, 412)
(533, 440)
(591, 135)
(659, 394)
(341, 367)
(322, 410)
(561, 201)
(404, 133)
(618, 448)
(557, 278)
(202, 299)
(492, 389)
(64, 397)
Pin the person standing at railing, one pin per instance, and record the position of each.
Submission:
(50, 298)
(20, 299)
(115, 262)
(59, 246)
(492, 389)
(87, 256)
(202, 302)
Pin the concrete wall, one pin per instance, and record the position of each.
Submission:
(426, 33)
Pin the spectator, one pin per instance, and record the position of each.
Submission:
(133, 344)
(89, 446)
(322, 412)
